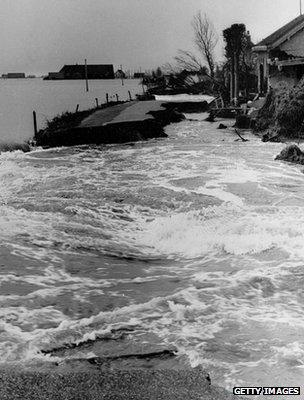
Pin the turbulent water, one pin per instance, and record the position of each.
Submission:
(195, 241)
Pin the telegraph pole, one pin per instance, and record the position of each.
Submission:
(86, 74)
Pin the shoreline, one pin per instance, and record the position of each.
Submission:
(67, 129)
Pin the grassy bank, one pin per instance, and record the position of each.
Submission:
(67, 121)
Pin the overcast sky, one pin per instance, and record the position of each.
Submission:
(41, 35)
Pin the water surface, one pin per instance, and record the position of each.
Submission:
(194, 241)
(20, 97)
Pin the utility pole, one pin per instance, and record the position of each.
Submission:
(86, 74)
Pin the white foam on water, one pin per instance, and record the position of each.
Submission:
(194, 234)
(293, 352)
(219, 193)
(66, 332)
(84, 201)
(235, 173)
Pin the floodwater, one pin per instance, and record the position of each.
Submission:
(20, 97)
(193, 241)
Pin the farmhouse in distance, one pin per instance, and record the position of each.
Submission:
(77, 71)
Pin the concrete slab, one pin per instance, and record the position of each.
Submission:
(138, 112)
(100, 117)
(128, 112)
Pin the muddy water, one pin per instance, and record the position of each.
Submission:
(194, 241)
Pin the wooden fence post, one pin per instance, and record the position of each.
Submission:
(35, 123)
(107, 97)
(77, 108)
(130, 97)
(117, 98)
(96, 99)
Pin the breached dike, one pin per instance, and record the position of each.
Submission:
(120, 123)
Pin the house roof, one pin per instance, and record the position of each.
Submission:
(291, 27)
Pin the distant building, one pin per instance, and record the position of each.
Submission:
(55, 75)
(119, 74)
(280, 56)
(77, 71)
(14, 75)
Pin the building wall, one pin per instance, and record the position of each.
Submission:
(295, 45)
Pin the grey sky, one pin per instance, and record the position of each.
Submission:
(42, 35)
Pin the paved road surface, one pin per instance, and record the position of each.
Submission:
(127, 112)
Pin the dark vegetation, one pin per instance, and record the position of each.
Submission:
(292, 154)
(283, 113)
(69, 120)
(240, 62)
(25, 147)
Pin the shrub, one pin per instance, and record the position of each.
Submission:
(283, 111)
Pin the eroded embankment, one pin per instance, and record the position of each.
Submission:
(282, 116)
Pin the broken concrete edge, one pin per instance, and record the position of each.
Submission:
(108, 134)
(166, 384)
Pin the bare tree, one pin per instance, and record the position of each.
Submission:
(189, 61)
(206, 39)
